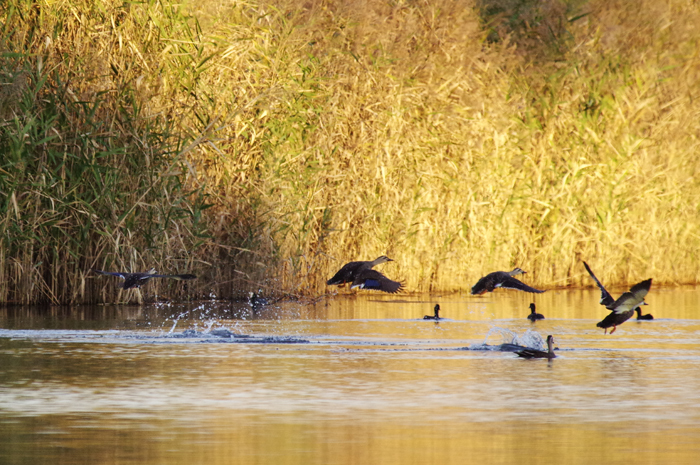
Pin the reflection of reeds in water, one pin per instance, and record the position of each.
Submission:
(267, 144)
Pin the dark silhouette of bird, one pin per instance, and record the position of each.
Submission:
(624, 307)
(374, 280)
(534, 353)
(605, 298)
(502, 279)
(350, 271)
(257, 302)
(135, 280)
(436, 316)
(648, 316)
(533, 316)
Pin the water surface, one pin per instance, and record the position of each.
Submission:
(351, 380)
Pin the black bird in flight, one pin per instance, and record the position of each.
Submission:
(134, 280)
(502, 279)
(624, 307)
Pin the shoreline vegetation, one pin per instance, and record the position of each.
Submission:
(262, 144)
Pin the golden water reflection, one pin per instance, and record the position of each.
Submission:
(369, 383)
(223, 439)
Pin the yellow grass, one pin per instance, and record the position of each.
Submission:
(441, 134)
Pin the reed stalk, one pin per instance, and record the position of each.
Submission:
(263, 144)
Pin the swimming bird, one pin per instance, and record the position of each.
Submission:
(503, 279)
(533, 316)
(648, 316)
(624, 307)
(374, 280)
(349, 271)
(534, 353)
(437, 314)
(135, 280)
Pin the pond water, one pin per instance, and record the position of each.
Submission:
(351, 379)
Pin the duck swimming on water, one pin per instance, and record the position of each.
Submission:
(502, 279)
(437, 314)
(648, 316)
(534, 353)
(533, 316)
(136, 280)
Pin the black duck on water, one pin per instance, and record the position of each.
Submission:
(534, 353)
(534, 316)
(436, 309)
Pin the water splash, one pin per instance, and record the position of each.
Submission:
(181, 315)
(510, 340)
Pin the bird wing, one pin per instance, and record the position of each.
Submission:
(533, 353)
(481, 286)
(640, 290)
(512, 283)
(172, 276)
(346, 274)
(605, 298)
(632, 299)
(374, 280)
(112, 273)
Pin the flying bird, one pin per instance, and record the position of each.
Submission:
(605, 298)
(534, 316)
(533, 353)
(135, 280)
(436, 316)
(374, 280)
(624, 307)
(351, 270)
(502, 279)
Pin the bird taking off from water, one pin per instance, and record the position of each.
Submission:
(533, 353)
(502, 279)
(624, 307)
(375, 281)
(361, 275)
(351, 270)
(135, 280)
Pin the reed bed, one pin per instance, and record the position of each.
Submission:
(263, 144)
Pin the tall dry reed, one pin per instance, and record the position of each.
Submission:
(94, 169)
(263, 144)
(399, 128)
